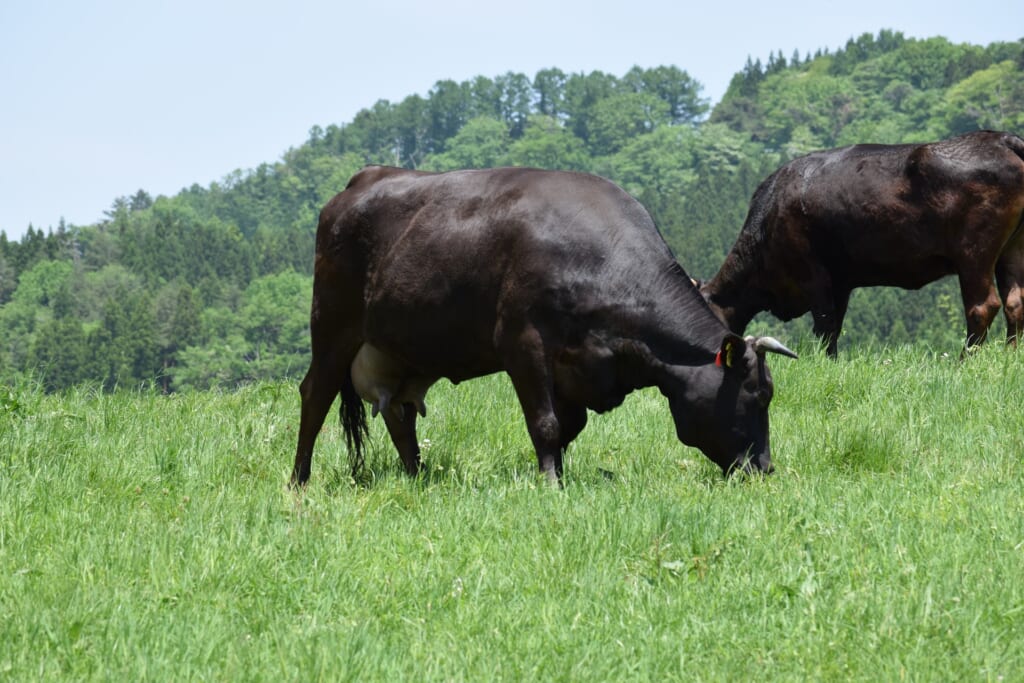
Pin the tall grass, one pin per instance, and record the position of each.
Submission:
(151, 537)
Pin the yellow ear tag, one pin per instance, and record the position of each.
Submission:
(727, 359)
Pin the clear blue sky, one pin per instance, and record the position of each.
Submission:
(101, 98)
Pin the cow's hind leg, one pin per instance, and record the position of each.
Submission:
(1010, 278)
(1013, 307)
(328, 375)
(981, 304)
(828, 320)
(317, 390)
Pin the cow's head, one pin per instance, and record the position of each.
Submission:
(722, 408)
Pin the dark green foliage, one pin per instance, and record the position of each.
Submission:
(124, 348)
(701, 229)
(212, 286)
(172, 241)
(61, 353)
(877, 89)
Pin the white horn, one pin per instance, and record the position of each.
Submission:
(773, 345)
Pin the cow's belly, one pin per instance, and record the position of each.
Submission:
(907, 273)
(450, 342)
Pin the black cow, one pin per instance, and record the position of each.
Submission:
(897, 215)
(559, 279)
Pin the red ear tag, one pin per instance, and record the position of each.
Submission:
(718, 359)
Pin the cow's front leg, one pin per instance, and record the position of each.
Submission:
(530, 373)
(401, 424)
(543, 428)
(572, 418)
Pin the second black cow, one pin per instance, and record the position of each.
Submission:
(897, 215)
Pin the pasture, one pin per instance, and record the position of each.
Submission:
(152, 537)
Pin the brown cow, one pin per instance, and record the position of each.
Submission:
(895, 215)
(559, 279)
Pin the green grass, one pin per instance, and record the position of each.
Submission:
(149, 537)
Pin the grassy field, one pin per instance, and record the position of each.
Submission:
(150, 537)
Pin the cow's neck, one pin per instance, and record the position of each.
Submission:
(673, 326)
(732, 296)
(638, 338)
(603, 370)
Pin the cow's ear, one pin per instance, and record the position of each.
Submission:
(733, 348)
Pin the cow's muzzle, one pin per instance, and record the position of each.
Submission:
(751, 465)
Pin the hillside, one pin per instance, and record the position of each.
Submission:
(211, 287)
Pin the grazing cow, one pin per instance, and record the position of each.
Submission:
(896, 215)
(559, 279)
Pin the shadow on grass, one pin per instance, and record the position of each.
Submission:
(446, 468)
(449, 467)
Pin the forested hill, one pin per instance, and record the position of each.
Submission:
(212, 286)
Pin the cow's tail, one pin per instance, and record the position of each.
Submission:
(353, 423)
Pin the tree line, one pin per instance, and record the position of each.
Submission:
(211, 287)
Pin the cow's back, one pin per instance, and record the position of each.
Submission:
(441, 261)
(886, 214)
